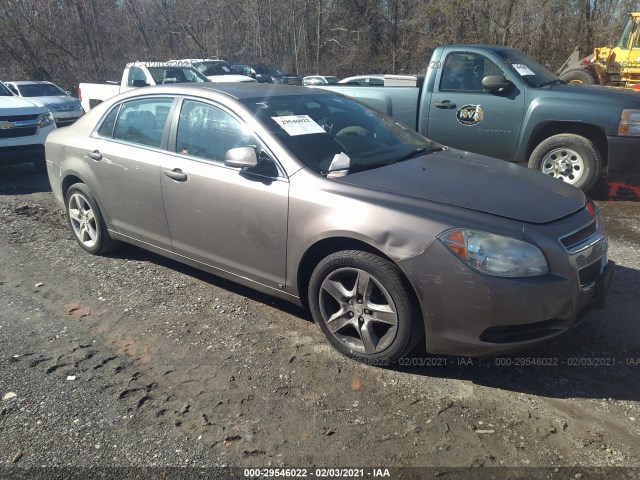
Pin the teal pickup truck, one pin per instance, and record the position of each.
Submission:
(499, 102)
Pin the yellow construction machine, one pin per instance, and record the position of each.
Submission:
(618, 66)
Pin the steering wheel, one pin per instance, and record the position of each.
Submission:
(353, 131)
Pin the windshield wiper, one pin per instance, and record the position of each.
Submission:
(418, 152)
(557, 81)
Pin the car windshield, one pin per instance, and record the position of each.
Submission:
(332, 80)
(267, 69)
(4, 91)
(528, 69)
(163, 75)
(214, 68)
(40, 90)
(320, 128)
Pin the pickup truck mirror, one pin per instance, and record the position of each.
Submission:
(241, 157)
(140, 83)
(494, 83)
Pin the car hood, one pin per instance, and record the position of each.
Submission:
(56, 101)
(19, 106)
(623, 96)
(476, 182)
(230, 78)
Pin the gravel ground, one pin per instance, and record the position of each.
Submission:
(135, 360)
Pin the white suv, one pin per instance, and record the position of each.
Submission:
(24, 126)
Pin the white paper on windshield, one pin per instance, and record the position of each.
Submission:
(523, 70)
(298, 125)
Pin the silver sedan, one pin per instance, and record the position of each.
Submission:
(389, 239)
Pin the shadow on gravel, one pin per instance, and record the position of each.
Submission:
(22, 179)
(130, 252)
(598, 359)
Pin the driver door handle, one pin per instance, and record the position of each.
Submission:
(96, 155)
(446, 104)
(176, 174)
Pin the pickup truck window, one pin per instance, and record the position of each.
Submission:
(142, 121)
(528, 69)
(162, 75)
(135, 73)
(464, 71)
(4, 91)
(207, 132)
(213, 68)
(367, 137)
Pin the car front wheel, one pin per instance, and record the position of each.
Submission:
(364, 307)
(86, 221)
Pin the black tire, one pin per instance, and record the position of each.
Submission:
(572, 148)
(40, 165)
(86, 221)
(578, 75)
(386, 289)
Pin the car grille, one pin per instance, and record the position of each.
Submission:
(64, 122)
(578, 237)
(589, 274)
(18, 132)
(17, 118)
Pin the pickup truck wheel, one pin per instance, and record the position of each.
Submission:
(578, 75)
(364, 307)
(86, 221)
(571, 158)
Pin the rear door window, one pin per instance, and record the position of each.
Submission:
(143, 121)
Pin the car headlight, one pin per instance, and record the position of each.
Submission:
(629, 123)
(45, 120)
(495, 255)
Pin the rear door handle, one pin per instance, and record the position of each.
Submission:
(446, 104)
(176, 174)
(96, 155)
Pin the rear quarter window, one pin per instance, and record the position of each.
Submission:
(109, 121)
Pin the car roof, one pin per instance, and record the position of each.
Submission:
(200, 60)
(363, 77)
(30, 82)
(237, 90)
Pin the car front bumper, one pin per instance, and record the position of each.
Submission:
(472, 314)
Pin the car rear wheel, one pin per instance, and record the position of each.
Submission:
(86, 221)
(364, 307)
(571, 158)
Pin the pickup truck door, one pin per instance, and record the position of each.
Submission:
(462, 115)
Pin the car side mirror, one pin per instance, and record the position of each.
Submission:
(140, 83)
(495, 83)
(241, 157)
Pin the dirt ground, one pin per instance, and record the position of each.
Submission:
(135, 360)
